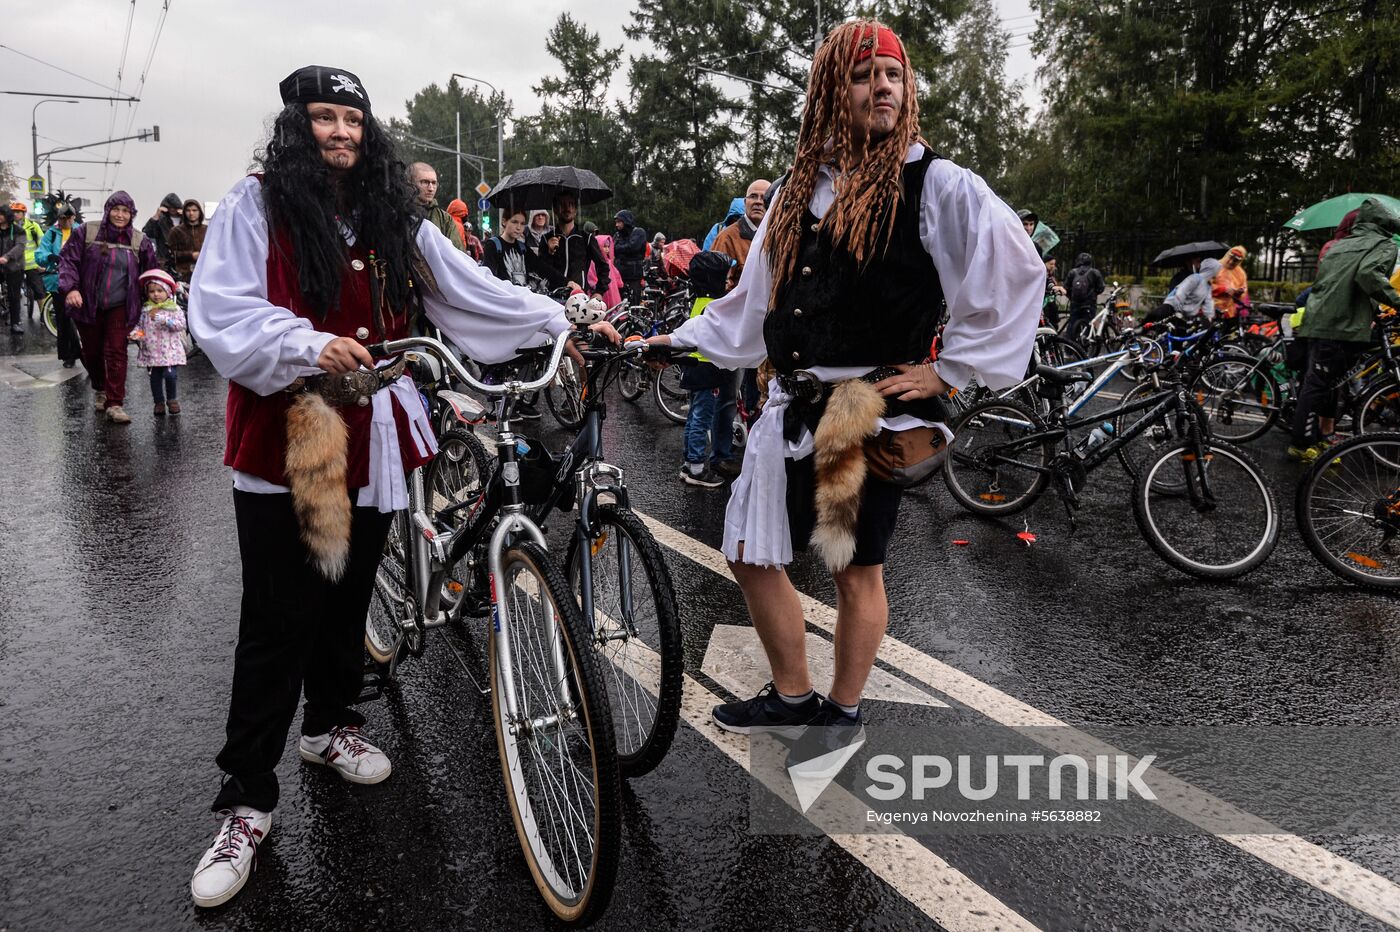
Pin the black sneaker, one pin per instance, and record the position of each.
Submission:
(707, 478)
(766, 712)
(829, 731)
(729, 468)
(524, 411)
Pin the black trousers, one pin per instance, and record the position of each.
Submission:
(14, 294)
(296, 631)
(34, 284)
(69, 347)
(1328, 362)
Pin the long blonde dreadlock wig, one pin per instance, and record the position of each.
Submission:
(868, 183)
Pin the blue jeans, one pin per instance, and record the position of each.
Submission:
(162, 383)
(711, 418)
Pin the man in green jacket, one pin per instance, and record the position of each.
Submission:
(425, 181)
(1351, 280)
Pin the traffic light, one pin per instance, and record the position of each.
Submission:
(155, 134)
(485, 222)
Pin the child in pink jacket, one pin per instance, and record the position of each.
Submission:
(160, 333)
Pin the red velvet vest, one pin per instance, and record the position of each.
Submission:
(256, 425)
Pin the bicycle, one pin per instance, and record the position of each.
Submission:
(617, 572)
(1202, 505)
(1348, 510)
(553, 723)
(1104, 331)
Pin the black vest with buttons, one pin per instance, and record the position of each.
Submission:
(831, 312)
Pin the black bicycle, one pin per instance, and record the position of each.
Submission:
(1348, 510)
(614, 566)
(549, 702)
(1202, 505)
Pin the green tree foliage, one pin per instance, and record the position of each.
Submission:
(430, 127)
(576, 124)
(1172, 111)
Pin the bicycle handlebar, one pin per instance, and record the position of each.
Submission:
(449, 359)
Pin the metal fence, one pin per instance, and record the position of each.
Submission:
(1275, 254)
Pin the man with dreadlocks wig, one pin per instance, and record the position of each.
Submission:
(304, 263)
(869, 235)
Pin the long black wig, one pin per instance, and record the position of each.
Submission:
(374, 199)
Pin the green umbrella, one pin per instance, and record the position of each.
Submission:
(1325, 215)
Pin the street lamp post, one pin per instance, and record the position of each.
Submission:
(500, 126)
(68, 178)
(34, 126)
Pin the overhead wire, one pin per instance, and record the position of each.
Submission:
(121, 67)
(47, 64)
(141, 85)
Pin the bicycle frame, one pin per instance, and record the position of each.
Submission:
(435, 549)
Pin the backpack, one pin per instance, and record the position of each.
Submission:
(1081, 286)
(91, 228)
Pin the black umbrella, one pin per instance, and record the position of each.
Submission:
(532, 188)
(1180, 255)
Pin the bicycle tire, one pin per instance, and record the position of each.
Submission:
(1378, 408)
(460, 473)
(384, 633)
(48, 314)
(1229, 514)
(643, 735)
(582, 896)
(1165, 430)
(1227, 386)
(966, 460)
(672, 400)
(632, 381)
(564, 395)
(1330, 494)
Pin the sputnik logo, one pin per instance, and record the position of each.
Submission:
(810, 778)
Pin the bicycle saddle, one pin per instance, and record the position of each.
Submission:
(1063, 376)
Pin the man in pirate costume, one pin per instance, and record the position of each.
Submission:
(869, 235)
(304, 263)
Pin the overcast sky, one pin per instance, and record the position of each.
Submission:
(212, 82)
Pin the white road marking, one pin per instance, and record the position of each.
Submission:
(735, 660)
(34, 372)
(1358, 887)
(944, 893)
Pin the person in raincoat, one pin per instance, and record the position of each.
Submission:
(50, 248)
(736, 210)
(1230, 291)
(1351, 281)
(98, 274)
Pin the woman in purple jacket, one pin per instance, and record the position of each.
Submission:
(98, 274)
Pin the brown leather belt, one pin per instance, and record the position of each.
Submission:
(350, 388)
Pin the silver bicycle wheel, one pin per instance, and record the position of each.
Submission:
(672, 400)
(390, 600)
(558, 758)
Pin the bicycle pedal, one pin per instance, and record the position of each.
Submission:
(371, 688)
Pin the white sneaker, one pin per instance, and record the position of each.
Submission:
(225, 867)
(346, 751)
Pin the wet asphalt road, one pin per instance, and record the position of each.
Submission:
(118, 612)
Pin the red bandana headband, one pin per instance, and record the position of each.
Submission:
(883, 42)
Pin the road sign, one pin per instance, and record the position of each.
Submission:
(483, 189)
(483, 204)
(36, 185)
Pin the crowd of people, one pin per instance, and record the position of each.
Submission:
(1335, 323)
(110, 285)
(335, 244)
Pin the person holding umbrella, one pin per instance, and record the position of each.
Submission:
(576, 249)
